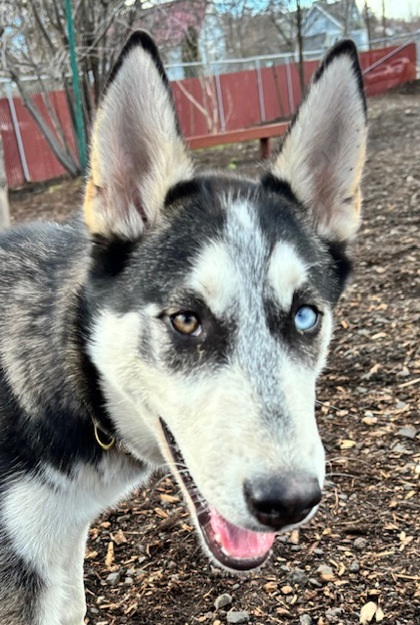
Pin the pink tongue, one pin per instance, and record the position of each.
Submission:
(237, 542)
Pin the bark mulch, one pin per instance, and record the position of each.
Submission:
(358, 560)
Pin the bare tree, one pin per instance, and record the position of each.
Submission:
(384, 26)
(235, 17)
(36, 43)
(284, 17)
(347, 7)
(368, 18)
(191, 52)
(208, 108)
(288, 17)
(299, 39)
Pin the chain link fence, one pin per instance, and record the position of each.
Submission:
(179, 71)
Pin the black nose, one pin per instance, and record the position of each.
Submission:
(277, 502)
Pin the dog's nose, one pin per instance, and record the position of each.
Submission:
(277, 502)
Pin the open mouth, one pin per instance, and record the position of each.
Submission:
(234, 547)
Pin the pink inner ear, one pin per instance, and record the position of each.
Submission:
(325, 187)
(125, 172)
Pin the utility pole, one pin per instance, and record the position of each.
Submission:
(366, 15)
(383, 19)
(299, 37)
(346, 18)
(80, 127)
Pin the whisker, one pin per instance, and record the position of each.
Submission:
(322, 403)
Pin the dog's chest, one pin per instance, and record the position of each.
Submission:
(66, 505)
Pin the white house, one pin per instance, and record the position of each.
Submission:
(325, 23)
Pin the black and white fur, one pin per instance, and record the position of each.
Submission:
(91, 351)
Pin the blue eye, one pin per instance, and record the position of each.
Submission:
(306, 318)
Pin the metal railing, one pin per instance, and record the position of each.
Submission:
(216, 69)
(176, 71)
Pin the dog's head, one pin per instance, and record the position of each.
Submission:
(211, 297)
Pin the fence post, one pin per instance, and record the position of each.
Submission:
(220, 102)
(290, 87)
(260, 90)
(18, 135)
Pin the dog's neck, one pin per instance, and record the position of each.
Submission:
(103, 428)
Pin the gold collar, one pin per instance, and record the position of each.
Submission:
(106, 446)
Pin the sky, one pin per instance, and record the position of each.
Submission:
(404, 9)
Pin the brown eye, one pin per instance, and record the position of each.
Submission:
(186, 323)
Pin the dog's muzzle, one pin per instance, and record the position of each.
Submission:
(274, 503)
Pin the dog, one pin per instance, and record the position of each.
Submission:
(180, 320)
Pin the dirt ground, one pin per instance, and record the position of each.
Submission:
(358, 560)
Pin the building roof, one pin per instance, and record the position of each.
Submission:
(335, 12)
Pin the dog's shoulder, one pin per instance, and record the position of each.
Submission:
(38, 256)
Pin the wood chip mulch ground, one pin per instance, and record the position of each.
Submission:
(358, 560)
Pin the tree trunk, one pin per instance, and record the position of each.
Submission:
(4, 198)
(61, 152)
(384, 28)
(346, 18)
(366, 15)
(300, 47)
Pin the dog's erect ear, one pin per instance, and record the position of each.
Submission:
(324, 151)
(137, 151)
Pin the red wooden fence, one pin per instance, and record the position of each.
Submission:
(41, 162)
(232, 101)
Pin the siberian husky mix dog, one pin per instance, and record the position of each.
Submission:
(182, 322)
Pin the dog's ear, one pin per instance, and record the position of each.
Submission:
(137, 151)
(324, 151)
